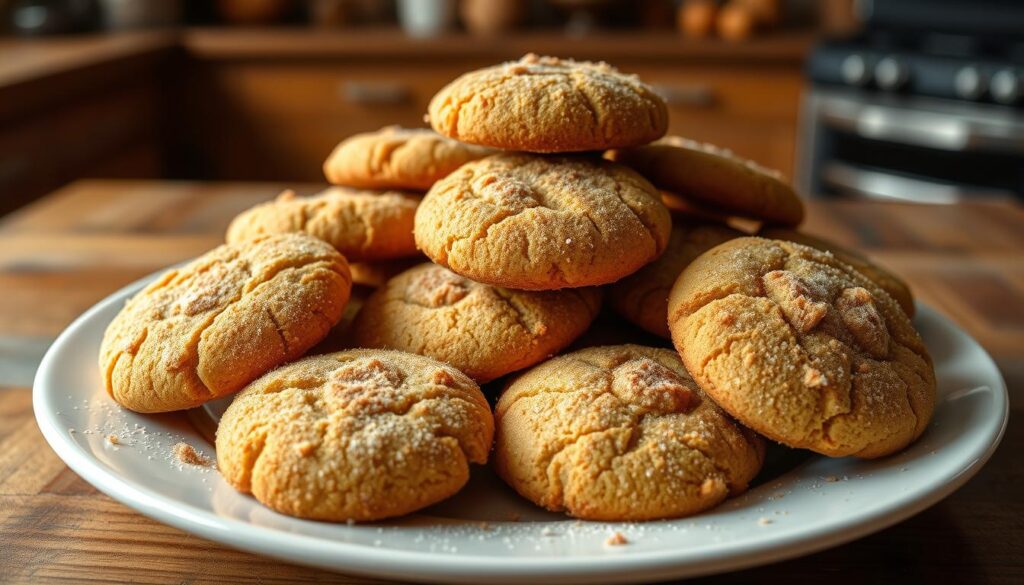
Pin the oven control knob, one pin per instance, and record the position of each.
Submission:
(1006, 86)
(969, 83)
(854, 70)
(890, 74)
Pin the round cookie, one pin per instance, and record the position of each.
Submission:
(802, 348)
(206, 329)
(546, 104)
(355, 436)
(482, 330)
(362, 225)
(642, 297)
(375, 274)
(620, 433)
(398, 158)
(716, 178)
(540, 223)
(897, 288)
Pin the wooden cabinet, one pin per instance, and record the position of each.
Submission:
(275, 109)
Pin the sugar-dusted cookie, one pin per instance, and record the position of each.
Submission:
(482, 330)
(362, 225)
(620, 433)
(642, 297)
(375, 274)
(356, 435)
(897, 288)
(802, 348)
(398, 158)
(537, 223)
(206, 329)
(715, 178)
(546, 104)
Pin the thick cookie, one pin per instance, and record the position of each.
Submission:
(887, 281)
(482, 330)
(538, 223)
(356, 435)
(205, 330)
(546, 104)
(362, 225)
(398, 158)
(642, 297)
(620, 433)
(802, 348)
(716, 178)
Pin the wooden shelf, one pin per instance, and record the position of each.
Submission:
(232, 43)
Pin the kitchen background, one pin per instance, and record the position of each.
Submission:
(906, 99)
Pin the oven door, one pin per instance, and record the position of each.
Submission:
(908, 148)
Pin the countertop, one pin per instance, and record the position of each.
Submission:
(65, 252)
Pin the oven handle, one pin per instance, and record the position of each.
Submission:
(874, 184)
(920, 128)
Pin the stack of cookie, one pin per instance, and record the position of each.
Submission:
(545, 186)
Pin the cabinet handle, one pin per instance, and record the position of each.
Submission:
(693, 95)
(376, 93)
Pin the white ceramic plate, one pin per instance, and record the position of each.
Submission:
(486, 533)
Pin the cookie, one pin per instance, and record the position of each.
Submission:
(398, 158)
(546, 104)
(642, 297)
(207, 329)
(355, 436)
(620, 433)
(802, 348)
(362, 225)
(897, 288)
(375, 274)
(539, 223)
(482, 330)
(715, 178)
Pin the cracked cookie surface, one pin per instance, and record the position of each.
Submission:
(897, 288)
(620, 433)
(716, 178)
(355, 435)
(362, 225)
(206, 329)
(539, 223)
(802, 348)
(398, 158)
(482, 330)
(642, 297)
(546, 104)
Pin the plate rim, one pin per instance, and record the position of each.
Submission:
(382, 562)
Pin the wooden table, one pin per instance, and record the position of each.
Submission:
(69, 250)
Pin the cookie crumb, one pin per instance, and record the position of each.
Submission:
(831, 478)
(187, 454)
(616, 539)
(763, 521)
(113, 440)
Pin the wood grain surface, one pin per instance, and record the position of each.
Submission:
(69, 250)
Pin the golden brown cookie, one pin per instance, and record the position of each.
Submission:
(362, 225)
(398, 158)
(887, 281)
(620, 433)
(206, 329)
(642, 297)
(482, 330)
(356, 435)
(375, 274)
(539, 223)
(546, 104)
(716, 178)
(802, 348)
